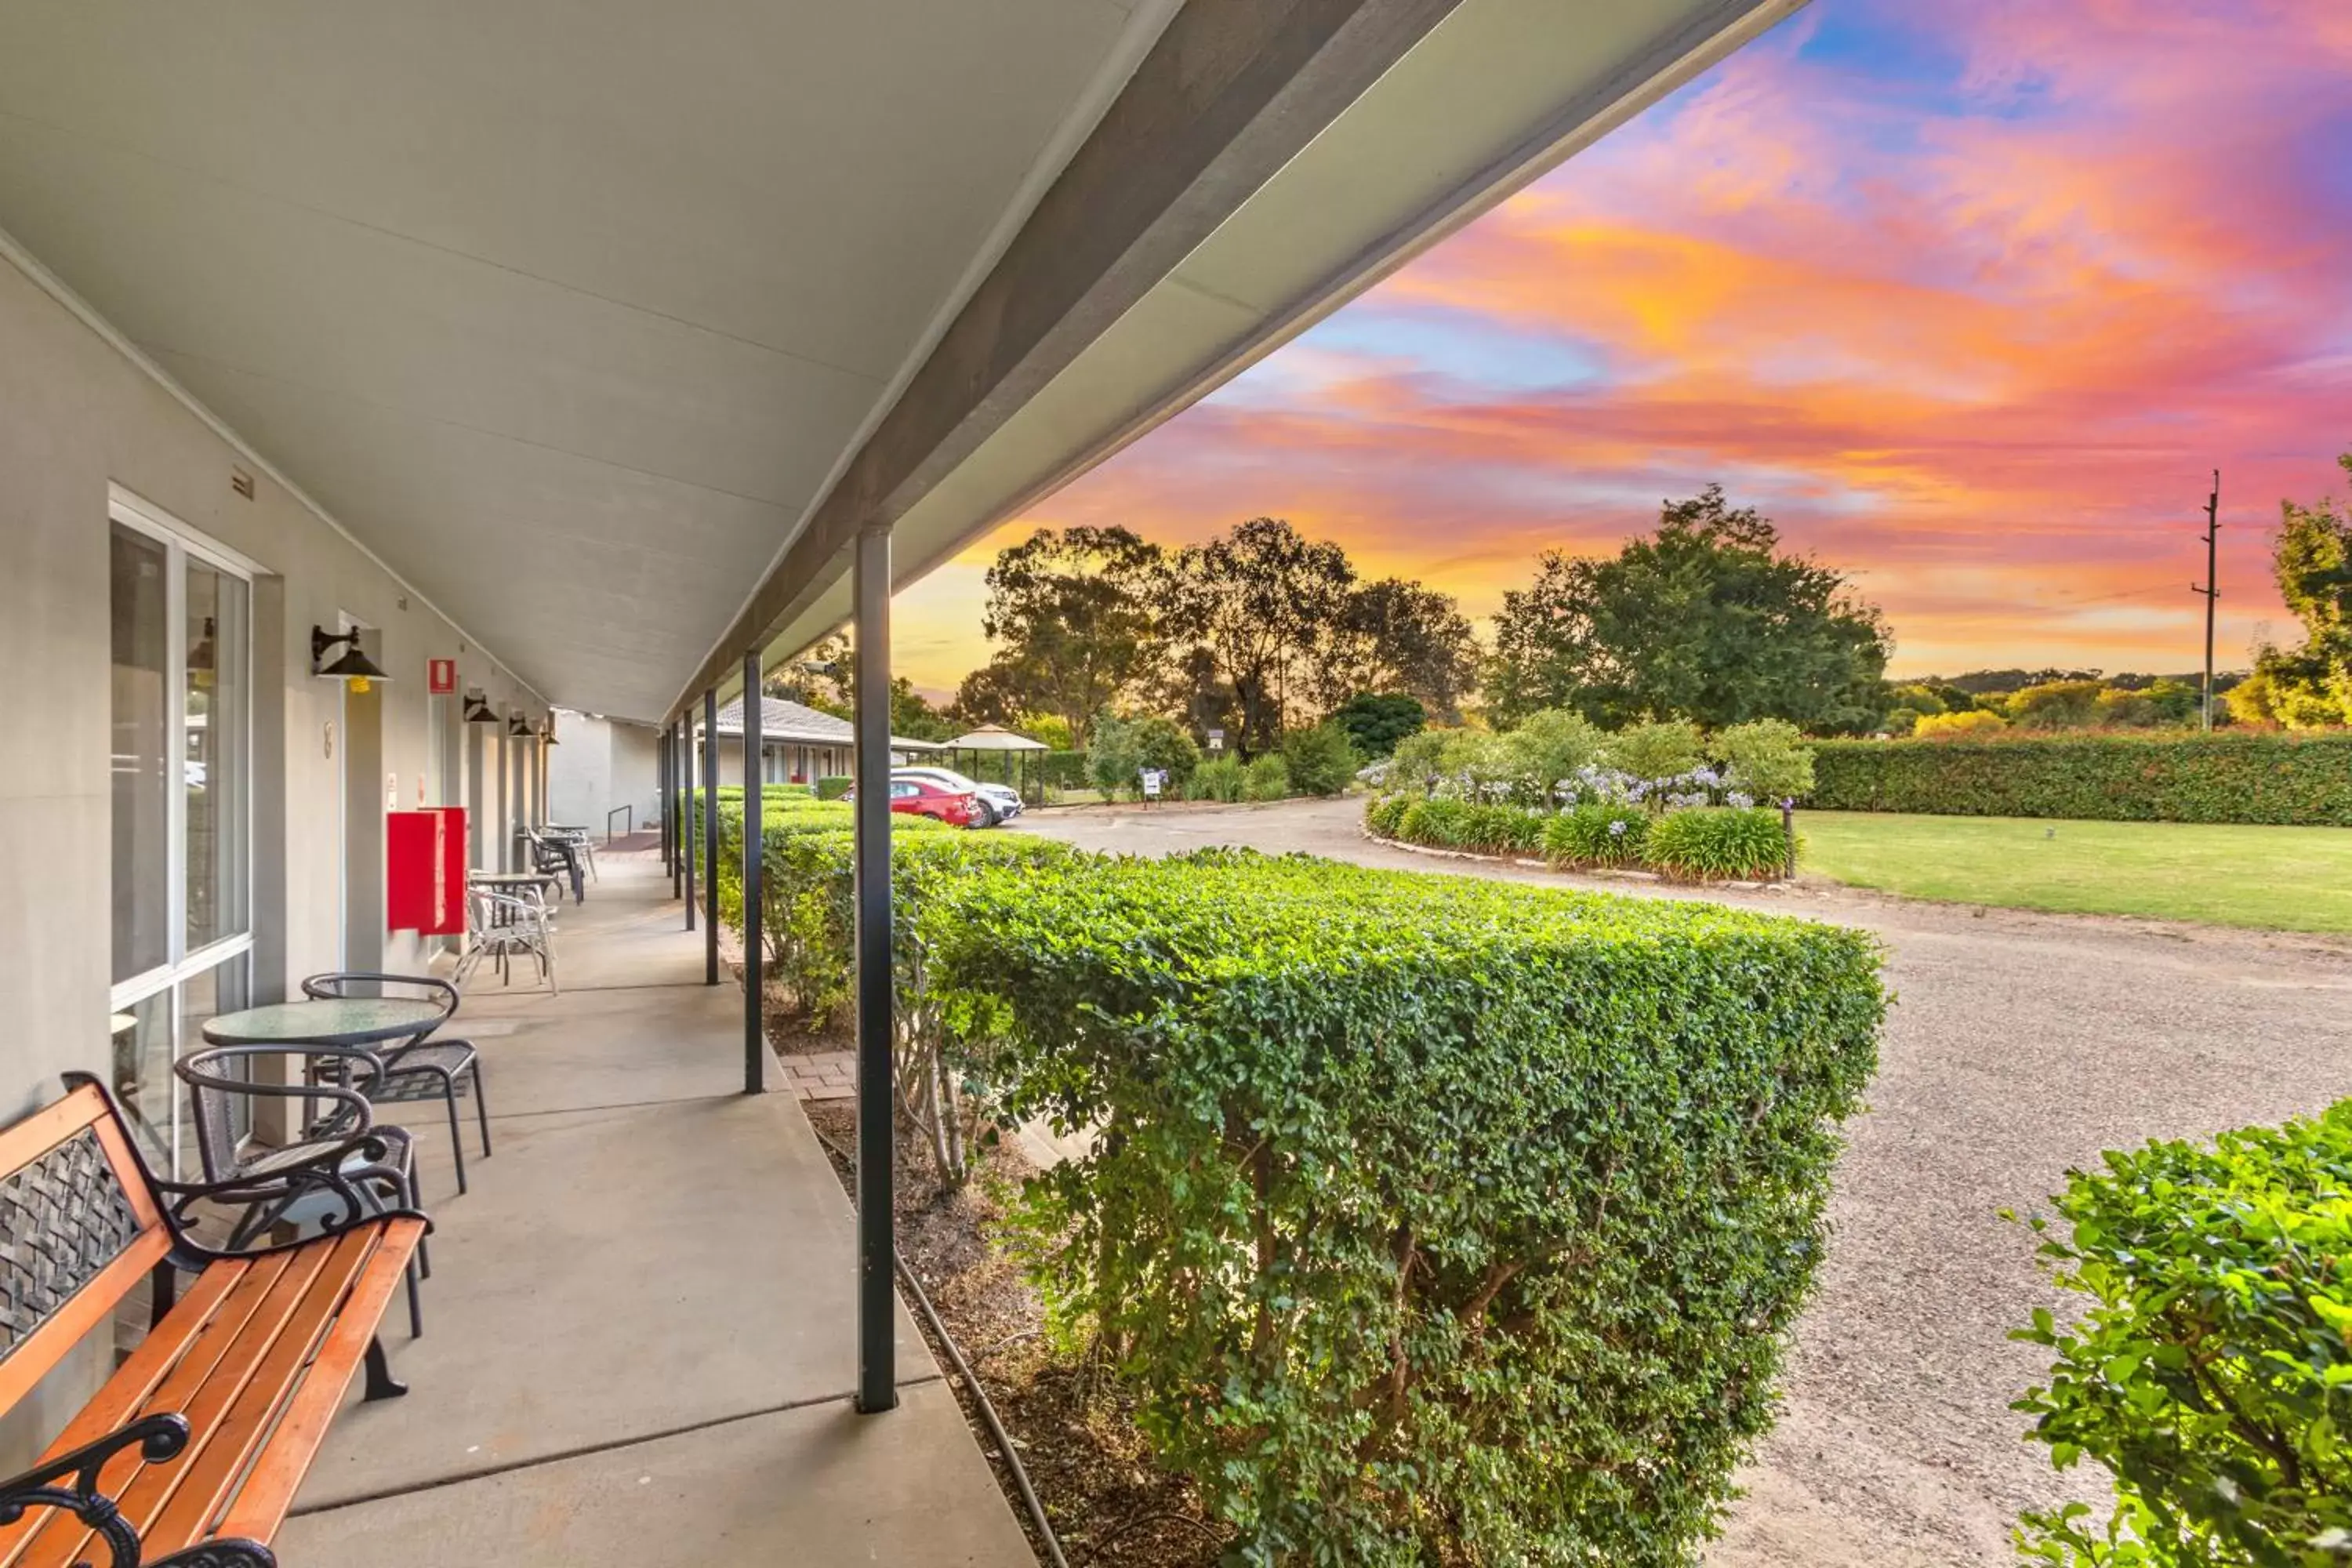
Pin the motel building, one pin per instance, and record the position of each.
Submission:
(378, 378)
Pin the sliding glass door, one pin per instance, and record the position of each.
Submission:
(182, 741)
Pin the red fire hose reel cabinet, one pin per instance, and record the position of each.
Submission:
(424, 873)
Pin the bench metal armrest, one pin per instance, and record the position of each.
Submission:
(280, 1187)
(70, 1481)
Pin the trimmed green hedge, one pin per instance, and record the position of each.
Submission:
(1433, 1219)
(2284, 780)
(2211, 1373)
(1695, 843)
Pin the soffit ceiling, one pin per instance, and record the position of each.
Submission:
(568, 310)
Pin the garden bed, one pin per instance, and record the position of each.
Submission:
(1090, 1467)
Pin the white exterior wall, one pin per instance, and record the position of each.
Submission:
(600, 766)
(75, 415)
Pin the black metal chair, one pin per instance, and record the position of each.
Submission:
(420, 1067)
(555, 857)
(377, 1160)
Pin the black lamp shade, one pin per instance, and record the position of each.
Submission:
(479, 711)
(517, 728)
(349, 665)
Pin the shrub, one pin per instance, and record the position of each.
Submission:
(1436, 1220)
(1551, 745)
(2208, 1373)
(1112, 759)
(1597, 834)
(1445, 824)
(1386, 814)
(833, 787)
(1320, 761)
(1502, 829)
(2282, 779)
(1480, 764)
(1267, 777)
(1654, 751)
(809, 926)
(1376, 722)
(1765, 758)
(1968, 721)
(1419, 761)
(1162, 745)
(1709, 842)
(1217, 778)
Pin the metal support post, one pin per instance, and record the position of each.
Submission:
(710, 837)
(755, 1037)
(877, 1381)
(686, 812)
(661, 783)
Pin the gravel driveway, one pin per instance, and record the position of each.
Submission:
(2021, 1044)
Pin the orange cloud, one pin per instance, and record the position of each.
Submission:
(1970, 303)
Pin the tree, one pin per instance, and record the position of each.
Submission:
(1320, 761)
(1552, 744)
(1261, 602)
(2310, 686)
(1112, 760)
(1395, 636)
(1376, 722)
(1705, 620)
(1161, 745)
(1077, 614)
(2056, 705)
(819, 678)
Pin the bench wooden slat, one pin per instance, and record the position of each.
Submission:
(152, 1488)
(210, 1475)
(262, 1502)
(147, 1373)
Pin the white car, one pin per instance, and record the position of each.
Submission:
(1003, 803)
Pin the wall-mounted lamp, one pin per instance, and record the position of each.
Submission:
(547, 730)
(519, 728)
(478, 710)
(351, 665)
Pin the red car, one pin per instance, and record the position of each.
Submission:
(920, 797)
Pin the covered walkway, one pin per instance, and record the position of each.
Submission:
(640, 1333)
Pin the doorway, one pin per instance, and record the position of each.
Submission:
(364, 795)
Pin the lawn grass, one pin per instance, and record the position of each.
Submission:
(2274, 878)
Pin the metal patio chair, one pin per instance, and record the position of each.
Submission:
(422, 1067)
(501, 927)
(378, 1162)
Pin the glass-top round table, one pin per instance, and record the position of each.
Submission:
(354, 1021)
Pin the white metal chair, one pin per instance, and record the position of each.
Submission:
(501, 927)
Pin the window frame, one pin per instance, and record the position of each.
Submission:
(181, 543)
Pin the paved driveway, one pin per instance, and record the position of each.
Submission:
(2021, 1044)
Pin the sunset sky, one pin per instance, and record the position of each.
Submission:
(1968, 297)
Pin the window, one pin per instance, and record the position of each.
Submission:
(181, 617)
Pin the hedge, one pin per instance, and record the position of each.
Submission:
(2278, 779)
(1433, 1220)
(1694, 844)
(2211, 1373)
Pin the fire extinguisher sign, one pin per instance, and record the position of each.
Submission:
(441, 676)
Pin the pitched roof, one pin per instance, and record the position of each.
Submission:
(805, 726)
(783, 720)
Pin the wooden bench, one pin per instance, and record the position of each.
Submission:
(191, 1454)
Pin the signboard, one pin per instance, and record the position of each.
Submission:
(1151, 777)
(1217, 740)
(441, 676)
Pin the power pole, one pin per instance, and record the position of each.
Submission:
(2212, 590)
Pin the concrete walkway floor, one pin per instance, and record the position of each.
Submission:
(639, 1335)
